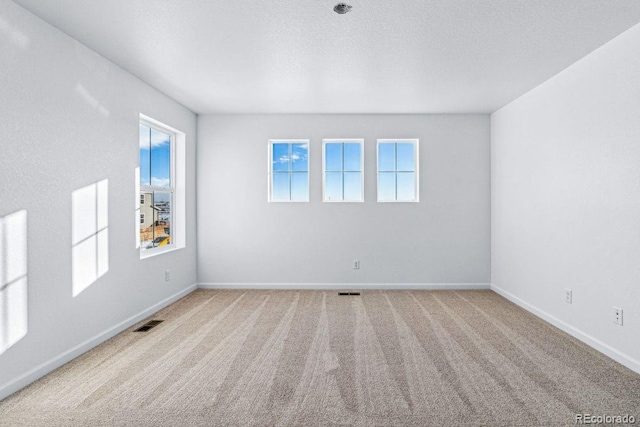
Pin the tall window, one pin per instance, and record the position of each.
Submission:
(288, 171)
(342, 170)
(157, 186)
(398, 170)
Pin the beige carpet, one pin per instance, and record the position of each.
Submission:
(438, 358)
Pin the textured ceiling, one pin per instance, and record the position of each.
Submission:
(395, 56)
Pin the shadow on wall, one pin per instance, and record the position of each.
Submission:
(90, 235)
(14, 316)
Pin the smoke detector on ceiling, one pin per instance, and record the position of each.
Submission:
(342, 8)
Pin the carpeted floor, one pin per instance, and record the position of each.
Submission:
(436, 358)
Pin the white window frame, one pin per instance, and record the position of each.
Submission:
(326, 141)
(174, 134)
(416, 144)
(270, 169)
(141, 218)
(141, 199)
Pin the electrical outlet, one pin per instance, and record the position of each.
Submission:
(167, 275)
(356, 264)
(568, 296)
(617, 316)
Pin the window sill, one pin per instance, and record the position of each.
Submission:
(150, 253)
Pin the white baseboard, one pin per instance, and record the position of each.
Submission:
(319, 286)
(606, 349)
(43, 369)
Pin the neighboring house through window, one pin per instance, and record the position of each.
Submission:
(157, 185)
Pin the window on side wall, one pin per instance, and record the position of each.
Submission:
(398, 170)
(288, 171)
(157, 187)
(342, 178)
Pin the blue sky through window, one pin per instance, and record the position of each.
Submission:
(397, 171)
(343, 171)
(290, 171)
(405, 157)
(155, 157)
(333, 156)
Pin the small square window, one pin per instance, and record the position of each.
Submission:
(142, 199)
(288, 171)
(342, 170)
(141, 218)
(398, 170)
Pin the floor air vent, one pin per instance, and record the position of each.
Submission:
(149, 325)
(349, 293)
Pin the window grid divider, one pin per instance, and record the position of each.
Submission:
(342, 167)
(396, 172)
(342, 171)
(271, 173)
(152, 189)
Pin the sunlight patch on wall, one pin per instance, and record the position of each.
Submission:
(9, 32)
(91, 100)
(13, 279)
(90, 235)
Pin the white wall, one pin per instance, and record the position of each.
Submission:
(69, 118)
(566, 198)
(244, 239)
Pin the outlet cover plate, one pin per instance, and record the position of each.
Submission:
(617, 316)
(568, 296)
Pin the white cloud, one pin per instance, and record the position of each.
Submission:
(294, 158)
(157, 138)
(299, 152)
(160, 182)
(281, 159)
(297, 156)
